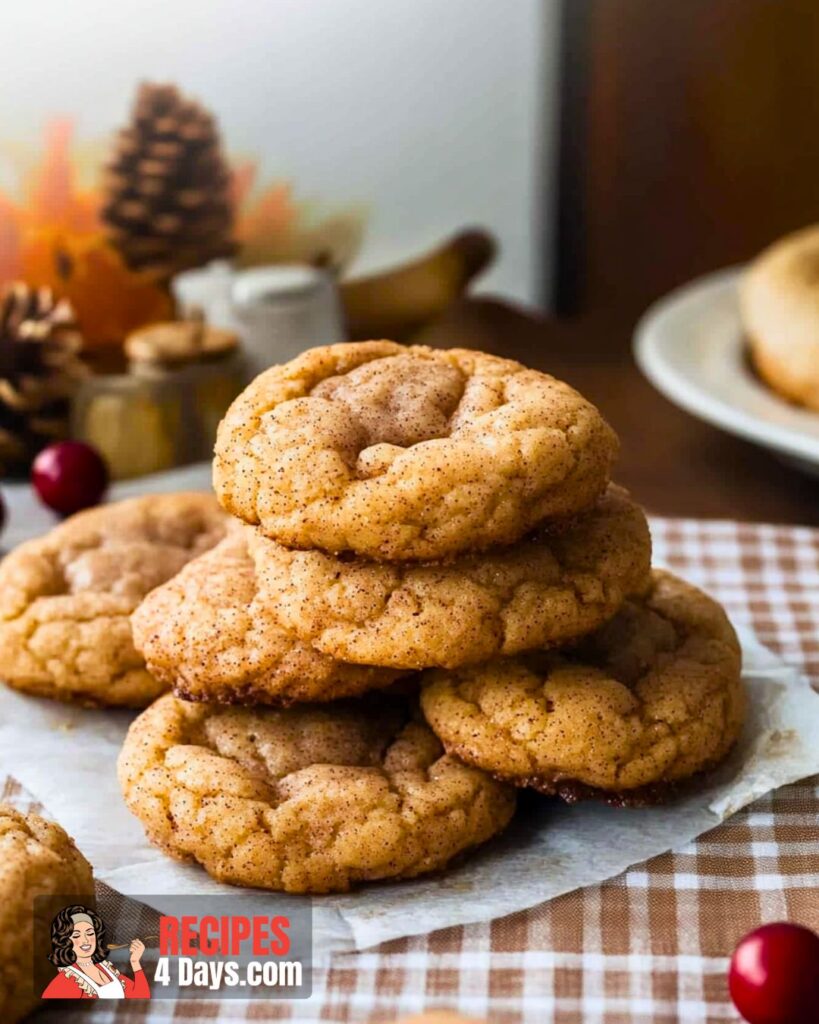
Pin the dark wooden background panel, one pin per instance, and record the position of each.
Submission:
(689, 141)
(700, 126)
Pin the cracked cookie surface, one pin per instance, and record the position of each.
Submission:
(305, 799)
(209, 635)
(651, 698)
(66, 598)
(37, 858)
(408, 453)
(545, 590)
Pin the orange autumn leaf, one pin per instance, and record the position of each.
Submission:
(273, 227)
(50, 190)
(54, 200)
(49, 214)
(109, 300)
(9, 240)
(242, 181)
(48, 198)
(274, 211)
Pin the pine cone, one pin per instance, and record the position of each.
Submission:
(39, 372)
(167, 202)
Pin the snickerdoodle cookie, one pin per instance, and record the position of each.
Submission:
(209, 635)
(546, 589)
(652, 697)
(408, 453)
(66, 598)
(37, 858)
(305, 799)
(779, 302)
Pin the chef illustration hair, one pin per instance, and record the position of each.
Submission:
(79, 951)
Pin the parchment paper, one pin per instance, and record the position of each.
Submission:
(66, 758)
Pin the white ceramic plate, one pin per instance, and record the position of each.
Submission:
(690, 346)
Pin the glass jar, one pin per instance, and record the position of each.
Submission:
(156, 418)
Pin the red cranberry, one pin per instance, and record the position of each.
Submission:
(69, 476)
(774, 975)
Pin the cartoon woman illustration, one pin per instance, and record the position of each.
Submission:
(79, 951)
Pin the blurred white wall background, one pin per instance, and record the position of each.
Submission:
(434, 113)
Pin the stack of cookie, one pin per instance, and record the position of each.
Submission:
(408, 520)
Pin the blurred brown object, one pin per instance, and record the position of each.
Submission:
(398, 301)
(40, 370)
(167, 202)
(688, 142)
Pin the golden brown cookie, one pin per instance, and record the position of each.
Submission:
(209, 635)
(651, 698)
(66, 598)
(779, 303)
(37, 858)
(305, 799)
(547, 589)
(408, 453)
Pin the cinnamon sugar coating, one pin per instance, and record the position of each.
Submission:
(408, 453)
(37, 858)
(66, 598)
(546, 589)
(651, 698)
(305, 799)
(211, 636)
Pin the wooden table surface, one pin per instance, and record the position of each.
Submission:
(673, 463)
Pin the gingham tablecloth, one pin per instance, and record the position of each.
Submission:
(651, 945)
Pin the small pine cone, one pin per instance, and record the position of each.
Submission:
(39, 372)
(167, 188)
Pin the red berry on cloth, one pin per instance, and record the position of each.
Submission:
(69, 476)
(774, 975)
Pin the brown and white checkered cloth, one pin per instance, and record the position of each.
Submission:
(651, 945)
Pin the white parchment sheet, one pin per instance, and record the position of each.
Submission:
(66, 758)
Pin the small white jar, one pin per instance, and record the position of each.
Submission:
(278, 311)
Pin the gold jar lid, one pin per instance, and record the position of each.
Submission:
(179, 342)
